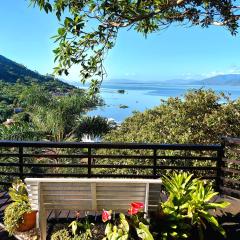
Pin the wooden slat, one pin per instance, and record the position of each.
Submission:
(231, 141)
(66, 188)
(230, 170)
(129, 184)
(117, 201)
(231, 161)
(69, 206)
(116, 208)
(50, 198)
(65, 184)
(230, 190)
(57, 193)
(119, 194)
(227, 180)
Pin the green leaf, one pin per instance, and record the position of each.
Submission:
(124, 237)
(122, 216)
(61, 31)
(222, 204)
(74, 226)
(210, 196)
(108, 229)
(143, 232)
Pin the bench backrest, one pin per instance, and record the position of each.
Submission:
(92, 194)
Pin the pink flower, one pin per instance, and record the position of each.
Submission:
(106, 215)
(137, 205)
(132, 211)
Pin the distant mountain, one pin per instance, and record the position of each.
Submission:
(221, 80)
(11, 72)
(227, 79)
(121, 81)
(178, 82)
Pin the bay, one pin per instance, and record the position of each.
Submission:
(144, 95)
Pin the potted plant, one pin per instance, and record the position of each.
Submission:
(19, 216)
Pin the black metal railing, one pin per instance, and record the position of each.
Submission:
(230, 167)
(21, 159)
(51, 159)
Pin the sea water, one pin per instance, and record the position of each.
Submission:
(142, 96)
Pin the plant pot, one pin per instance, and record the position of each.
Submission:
(29, 222)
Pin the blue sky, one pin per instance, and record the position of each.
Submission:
(175, 53)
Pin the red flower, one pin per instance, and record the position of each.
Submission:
(106, 215)
(137, 205)
(132, 211)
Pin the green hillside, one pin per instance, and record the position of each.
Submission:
(21, 88)
(12, 72)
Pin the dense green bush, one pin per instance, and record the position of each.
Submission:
(62, 234)
(13, 214)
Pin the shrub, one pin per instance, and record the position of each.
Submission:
(200, 117)
(62, 234)
(13, 214)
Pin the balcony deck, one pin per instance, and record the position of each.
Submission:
(45, 159)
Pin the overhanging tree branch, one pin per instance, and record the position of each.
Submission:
(91, 27)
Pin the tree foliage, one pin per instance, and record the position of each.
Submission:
(57, 116)
(95, 126)
(201, 116)
(89, 28)
(47, 113)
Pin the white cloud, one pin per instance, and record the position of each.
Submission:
(130, 74)
(232, 70)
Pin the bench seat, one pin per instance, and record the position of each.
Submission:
(90, 194)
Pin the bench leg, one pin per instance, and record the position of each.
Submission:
(37, 220)
(43, 223)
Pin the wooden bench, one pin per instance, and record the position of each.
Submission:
(90, 195)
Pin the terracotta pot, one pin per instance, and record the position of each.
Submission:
(29, 222)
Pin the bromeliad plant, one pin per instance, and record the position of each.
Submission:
(185, 214)
(124, 228)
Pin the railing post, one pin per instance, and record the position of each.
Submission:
(220, 156)
(20, 162)
(89, 162)
(155, 162)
